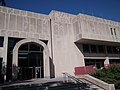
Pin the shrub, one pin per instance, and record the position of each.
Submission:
(110, 75)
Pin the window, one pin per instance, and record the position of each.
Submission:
(24, 47)
(111, 31)
(118, 49)
(114, 31)
(34, 47)
(96, 62)
(1, 41)
(109, 49)
(101, 49)
(114, 61)
(86, 48)
(93, 48)
(115, 51)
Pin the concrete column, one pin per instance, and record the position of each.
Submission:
(5, 46)
(15, 63)
(46, 64)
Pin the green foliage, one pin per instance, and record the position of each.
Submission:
(110, 75)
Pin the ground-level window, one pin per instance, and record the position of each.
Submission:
(114, 61)
(96, 62)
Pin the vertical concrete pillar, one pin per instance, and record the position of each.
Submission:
(5, 46)
(46, 63)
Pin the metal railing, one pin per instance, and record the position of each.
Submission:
(83, 85)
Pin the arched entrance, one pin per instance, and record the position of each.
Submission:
(30, 60)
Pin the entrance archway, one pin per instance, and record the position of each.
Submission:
(30, 61)
(15, 68)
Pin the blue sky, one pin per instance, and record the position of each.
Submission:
(109, 9)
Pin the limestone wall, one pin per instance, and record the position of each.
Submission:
(66, 55)
(23, 24)
(61, 30)
(91, 27)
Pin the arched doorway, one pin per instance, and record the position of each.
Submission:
(30, 60)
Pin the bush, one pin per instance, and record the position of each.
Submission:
(110, 75)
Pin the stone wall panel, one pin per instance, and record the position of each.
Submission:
(23, 13)
(17, 12)
(12, 22)
(3, 32)
(32, 25)
(39, 26)
(10, 10)
(19, 23)
(45, 26)
(55, 29)
(7, 22)
(9, 33)
(23, 34)
(4, 10)
(16, 34)
(26, 24)
(76, 28)
(2, 20)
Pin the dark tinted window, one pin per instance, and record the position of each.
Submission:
(115, 50)
(93, 48)
(114, 31)
(111, 31)
(1, 41)
(101, 49)
(86, 48)
(109, 49)
(24, 47)
(34, 47)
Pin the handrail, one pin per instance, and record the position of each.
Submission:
(72, 77)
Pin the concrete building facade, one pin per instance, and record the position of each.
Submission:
(34, 45)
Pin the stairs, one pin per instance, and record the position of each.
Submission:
(96, 84)
(48, 84)
(67, 82)
(92, 86)
(89, 84)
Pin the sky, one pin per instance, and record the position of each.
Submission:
(108, 9)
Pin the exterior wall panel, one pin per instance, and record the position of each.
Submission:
(62, 31)
(2, 20)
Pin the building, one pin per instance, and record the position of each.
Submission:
(34, 45)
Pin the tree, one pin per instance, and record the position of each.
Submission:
(2, 2)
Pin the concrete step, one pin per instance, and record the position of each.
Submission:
(92, 86)
(45, 84)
